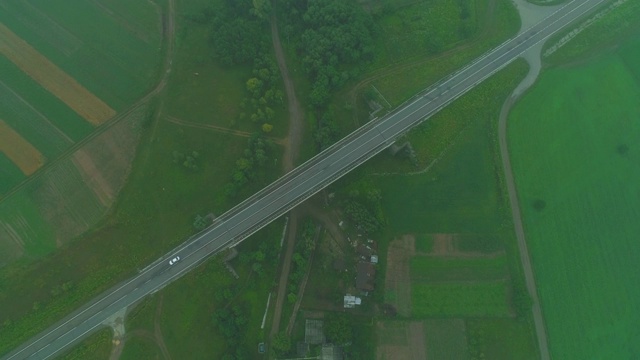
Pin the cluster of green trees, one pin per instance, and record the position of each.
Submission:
(237, 30)
(61, 289)
(188, 161)
(200, 222)
(240, 36)
(362, 206)
(304, 247)
(250, 167)
(338, 329)
(266, 252)
(263, 94)
(232, 324)
(334, 39)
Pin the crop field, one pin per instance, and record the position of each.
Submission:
(66, 71)
(465, 259)
(574, 143)
(113, 56)
(10, 174)
(438, 269)
(52, 78)
(21, 153)
(446, 339)
(460, 299)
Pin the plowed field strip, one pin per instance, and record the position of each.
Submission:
(20, 151)
(52, 78)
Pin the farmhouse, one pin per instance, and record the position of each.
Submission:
(365, 278)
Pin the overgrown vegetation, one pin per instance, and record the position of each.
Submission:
(251, 167)
(334, 40)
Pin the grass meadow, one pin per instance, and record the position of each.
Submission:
(573, 140)
(95, 346)
(113, 55)
(140, 348)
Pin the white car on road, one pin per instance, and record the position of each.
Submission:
(174, 260)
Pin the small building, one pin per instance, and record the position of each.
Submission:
(313, 332)
(351, 301)
(302, 349)
(365, 278)
(374, 259)
(364, 250)
(331, 352)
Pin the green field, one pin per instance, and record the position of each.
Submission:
(459, 299)
(67, 121)
(140, 348)
(501, 338)
(113, 55)
(436, 269)
(10, 174)
(446, 339)
(460, 194)
(574, 140)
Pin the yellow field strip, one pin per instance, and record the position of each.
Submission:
(19, 150)
(52, 78)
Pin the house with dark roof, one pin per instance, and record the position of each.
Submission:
(365, 277)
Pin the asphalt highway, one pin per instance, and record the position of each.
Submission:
(293, 188)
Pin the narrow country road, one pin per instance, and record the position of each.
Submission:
(292, 147)
(296, 115)
(538, 318)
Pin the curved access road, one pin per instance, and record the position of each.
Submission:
(294, 187)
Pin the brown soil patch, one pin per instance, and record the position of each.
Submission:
(77, 192)
(52, 78)
(443, 244)
(19, 150)
(93, 177)
(219, 129)
(401, 340)
(398, 277)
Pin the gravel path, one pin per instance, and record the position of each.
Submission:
(530, 14)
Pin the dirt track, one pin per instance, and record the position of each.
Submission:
(296, 115)
(292, 147)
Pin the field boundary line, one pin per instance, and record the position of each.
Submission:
(168, 44)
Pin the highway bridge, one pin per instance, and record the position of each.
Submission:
(293, 188)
